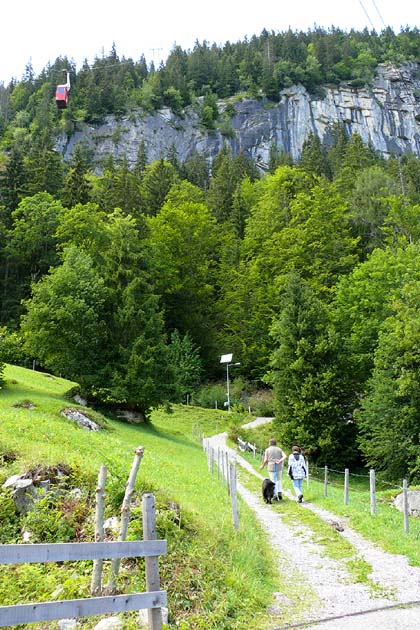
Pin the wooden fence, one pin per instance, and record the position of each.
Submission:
(150, 549)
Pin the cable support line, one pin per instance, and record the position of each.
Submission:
(379, 13)
(338, 472)
(366, 13)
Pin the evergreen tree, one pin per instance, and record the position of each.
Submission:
(228, 171)
(156, 183)
(133, 371)
(357, 157)
(76, 184)
(184, 360)
(141, 160)
(370, 203)
(389, 415)
(12, 184)
(305, 375)
(44, 169)
(337, 149)
(313, 159)
(197, 171)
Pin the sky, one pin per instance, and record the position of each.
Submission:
(39, 32)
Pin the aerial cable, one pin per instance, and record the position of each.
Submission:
(367, 15)
(101, 67)
(379, 13)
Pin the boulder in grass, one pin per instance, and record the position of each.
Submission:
(81, 419)
(109, 623)
(413, 497)
(142, 618)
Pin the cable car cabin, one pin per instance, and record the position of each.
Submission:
(62, 96)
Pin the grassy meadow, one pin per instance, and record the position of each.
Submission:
(215, 577)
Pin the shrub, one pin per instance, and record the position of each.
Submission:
(262, 403)
(236, 420)
(56, 519)
(210, 396)
(11, 348)
(9, 520)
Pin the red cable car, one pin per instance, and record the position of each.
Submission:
(62, 93)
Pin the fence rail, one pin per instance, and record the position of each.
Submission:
(50, 611)
(150, 548)
(63, 552)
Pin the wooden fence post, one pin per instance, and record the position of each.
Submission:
(208, 451)
(325, 481)
(227, 471)
(152, 567)
(96, 583)
(372, 484)
(218, 462)
(346, 486)
(125, 515)
(233, 495)
(405, 506)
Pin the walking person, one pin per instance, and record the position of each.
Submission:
(297, 471)
(274, 459)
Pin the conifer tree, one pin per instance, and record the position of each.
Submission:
(305, 374)
(76, 184)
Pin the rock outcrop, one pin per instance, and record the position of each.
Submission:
(385, 114)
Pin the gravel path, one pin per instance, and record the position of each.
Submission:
(339, 600)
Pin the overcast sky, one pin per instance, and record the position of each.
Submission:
(42, 31)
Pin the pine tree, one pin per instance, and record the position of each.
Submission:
(305, 374)
(76, 184)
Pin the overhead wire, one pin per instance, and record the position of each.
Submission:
(367, 14)
(379, 13)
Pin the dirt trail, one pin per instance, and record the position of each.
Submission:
(339, 600)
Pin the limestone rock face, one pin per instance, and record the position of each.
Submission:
(385, 114)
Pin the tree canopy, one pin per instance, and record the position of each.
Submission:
(133, 278)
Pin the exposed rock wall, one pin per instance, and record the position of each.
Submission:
(385, 114)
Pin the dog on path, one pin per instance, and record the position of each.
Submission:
(268, 490)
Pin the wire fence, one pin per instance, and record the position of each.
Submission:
(349, 482)
(364, 484)
(221, 463)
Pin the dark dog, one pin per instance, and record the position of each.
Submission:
(268, 490)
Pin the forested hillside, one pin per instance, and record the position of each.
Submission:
(133, 281)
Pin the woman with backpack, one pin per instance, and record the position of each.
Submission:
(297, 471)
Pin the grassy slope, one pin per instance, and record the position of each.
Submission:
(215, 578)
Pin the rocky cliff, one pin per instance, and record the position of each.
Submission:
(385, 114)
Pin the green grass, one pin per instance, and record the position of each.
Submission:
(385, 528)
(215, 577)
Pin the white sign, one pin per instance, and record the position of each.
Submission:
(226, 358)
